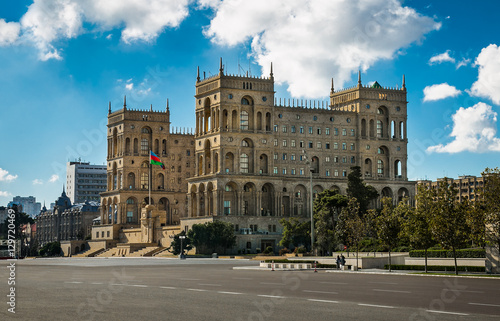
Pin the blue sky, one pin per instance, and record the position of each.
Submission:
(61, 61)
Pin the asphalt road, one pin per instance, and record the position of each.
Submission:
(210, 289)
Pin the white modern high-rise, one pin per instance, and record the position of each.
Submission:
(29, 204)
(84, 182)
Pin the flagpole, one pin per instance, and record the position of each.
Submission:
(150, 174)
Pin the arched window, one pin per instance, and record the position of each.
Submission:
(244, 120)
(144, 145)
(245, 101)
(245, 143)
(381, 151)
(380, 167)
(145, 130)
(380, 111)
(380, 129)
(244, 163)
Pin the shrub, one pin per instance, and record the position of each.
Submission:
(268, 250)
(435, 268)
(284, 251)
(471, 253)
(301, 249)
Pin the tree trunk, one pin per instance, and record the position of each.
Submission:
(425, 260)
(390, 269)
(357, 254)
(455, 257)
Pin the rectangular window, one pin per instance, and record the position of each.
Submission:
(353, 133)
(318, 131)
(327, 159)
(353, 159)
(275, 170)
(336, 131)
(293, 129)
(284, 128)
(244, 120)
(236, 227)
(188, 152)
(301, 171)
(301, 144)
(344, 132)
(284, 156)
(227, 207)
(275, 142)
(336, 173)
(310, 144)
(284, 171)
(327, 173)
(335, 146)
(310, 130)
(344, 159)
(344, 173)
(327, 145)
(275, 128)
(284, 142)
(293, 171)
(144, 145)
(293, 142)
(130, 216)
(275, 156)
(327, 131)
(318, 145)
(292, 157)
(301, 129)
(344, 146)
(301, 157)
(352, 147)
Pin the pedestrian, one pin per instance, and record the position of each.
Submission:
(338, 262)
(342, 260)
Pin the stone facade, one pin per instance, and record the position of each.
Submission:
(252, 158)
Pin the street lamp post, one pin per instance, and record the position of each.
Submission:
(309, 163)
(182, 256)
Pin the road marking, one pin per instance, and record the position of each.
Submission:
(394, 291)
(96, 283)
(376, 306)
(242, 278)
(324, 301)
(209, 284)
(485, 304)
(466, 291)
(311, 291)
(197, 290)
(138, 285)
(271, 296)
(185, 279)
(266, 283)
(339, 283)
(446, 312)
(168, 287)
(384, 283)
(74, 282)
(113, 284)
(225, 292)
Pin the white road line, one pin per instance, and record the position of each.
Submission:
(485, 304)
(271, 296)
(467, 291)
(209, 284)
(185, 279)
(138, 285)
(113, 284)
(268, 283)
(336, 283)
(325, 301)
(394, 291)
(242, 278)
(446, 312)
(384, 283)
(74, 282)
(168, 287)
(96, 283)
(225, 292)
(197, 290)
(376, 306)
(311, 291)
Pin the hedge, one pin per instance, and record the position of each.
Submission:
(469, 254)
(435, 268)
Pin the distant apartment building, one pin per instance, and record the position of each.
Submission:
(468, 186)
(29, 204)
(85, 182)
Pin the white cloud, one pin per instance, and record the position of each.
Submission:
(5, 194)
(444, 57)
(9, 32)
(37, 181)
(5, 176)
(440, 91)
(474, 130)
(311, 41)
(463, 62)
(54, 178)
(488, 80)
(48, 21)
(129, 86)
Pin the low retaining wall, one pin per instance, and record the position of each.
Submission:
(444, 261)
(288, 266)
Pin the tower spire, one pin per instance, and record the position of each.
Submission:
(198, 75)
(271, 75)
(168, 109)
(404, 81)
(125, 101)
(332, 90)
(359, 77)
(221, 69)
(151, 107)
(109, 108)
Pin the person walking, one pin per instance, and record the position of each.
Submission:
(342, 260)
(338, 262)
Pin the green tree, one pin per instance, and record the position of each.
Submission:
(491, 204)
(448, 221)
(416, 224)
(209, 237)
(51, 249)
(357, 188)
(295, 232)
(351, 227)
(327, 207)
(388, 226)
(175, 246)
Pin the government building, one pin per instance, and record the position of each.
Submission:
(250, 160)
